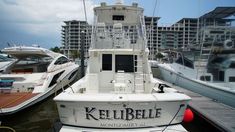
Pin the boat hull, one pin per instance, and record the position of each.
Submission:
(39, 97)
(171, 128)
(200, 87)
(122, 113)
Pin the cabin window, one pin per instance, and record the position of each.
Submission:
(232, 65)
(221, 75)
(188, 63)
(136, 61)
(205, 78)
(72, 75)
(184, 61)
(232, 79)
(179, 60)
(55, 78)
(107, 62)
(118, 17)
(124, 63)
(218, 60)
(61, 60)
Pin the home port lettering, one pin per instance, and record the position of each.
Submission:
(93, 113)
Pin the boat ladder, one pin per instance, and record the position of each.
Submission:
(138, 75)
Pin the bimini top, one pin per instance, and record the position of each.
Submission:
(220, 13)
(24, 51)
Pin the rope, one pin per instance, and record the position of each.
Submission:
(8, 128)
(173, 118)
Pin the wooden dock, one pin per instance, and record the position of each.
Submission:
(219, 115)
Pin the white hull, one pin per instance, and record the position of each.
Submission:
(122, 110)
(171, 128)
(39, 97)
(203, 88)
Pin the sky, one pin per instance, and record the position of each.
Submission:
(27, 22)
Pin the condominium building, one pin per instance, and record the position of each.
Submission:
(72, 33)
(218, 27)
(152, 34)
(192, 32)
(170, 37)
(188, 31)
(214, 26)
(175, 36)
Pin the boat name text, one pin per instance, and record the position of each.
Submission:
(126, 114)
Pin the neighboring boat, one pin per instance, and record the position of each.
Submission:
(35, 74)
(118, 90)
(213, 77)
(4, 62)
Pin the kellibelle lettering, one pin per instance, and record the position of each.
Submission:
(125, 114)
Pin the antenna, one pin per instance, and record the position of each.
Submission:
(9, 45)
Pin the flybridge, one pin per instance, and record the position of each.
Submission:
(110, 14)
(119, 27)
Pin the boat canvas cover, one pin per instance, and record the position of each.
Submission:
(23, 51)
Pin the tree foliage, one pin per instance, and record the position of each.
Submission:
(159, 55)
(75, 54)
(55, 49)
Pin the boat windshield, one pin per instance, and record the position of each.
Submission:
(218, 60)
(228, 64)
(30, 64)
(185, 62)
(3, 58)
(34, 60)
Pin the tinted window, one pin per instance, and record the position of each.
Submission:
(72, 74)
(218, 60)
(124, 63)
(61, 60)
(54, 79)
(188, 63)
(231, 79)
(221, 75)
(118, 17)
(232, 65)
(185, 62)
(107, 62)
(135, 63)
(179, 61)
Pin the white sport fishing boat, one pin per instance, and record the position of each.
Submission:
(35, 74)
(118, 91)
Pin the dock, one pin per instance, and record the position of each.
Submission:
(219, 115)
